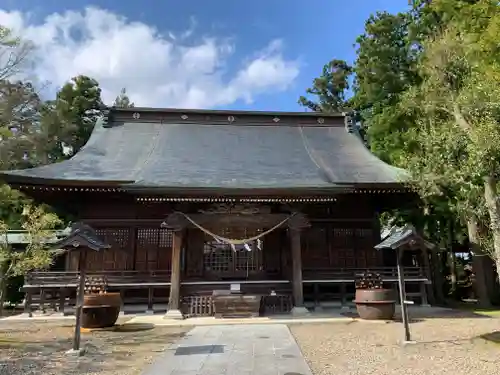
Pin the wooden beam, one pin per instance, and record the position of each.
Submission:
(173, 311)
(298, 293)
(177, 221)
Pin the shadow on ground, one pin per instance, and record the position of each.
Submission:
(420, 314)
(492, 337)
(110, 351)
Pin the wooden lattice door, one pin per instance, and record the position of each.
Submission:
(343, 247)
(366, 255)
(153, 249)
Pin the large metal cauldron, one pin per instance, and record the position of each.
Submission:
(100, 310)
(375, 304)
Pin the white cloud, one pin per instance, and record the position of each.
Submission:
(157, 70)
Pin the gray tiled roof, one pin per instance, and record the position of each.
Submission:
(397, 237)
(232, 156)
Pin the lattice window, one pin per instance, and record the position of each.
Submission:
(118, 257)
(366, 255)
(354, 248)
(343, 242)
(221, 258)
(153, 249)
(315, 252)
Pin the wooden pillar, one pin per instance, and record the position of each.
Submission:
(297, 285)
(173, 311)
(427, 288)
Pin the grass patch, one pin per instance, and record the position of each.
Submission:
(494, 313)
(471, 307)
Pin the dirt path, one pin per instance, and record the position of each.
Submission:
(444, 346)
(36, 347)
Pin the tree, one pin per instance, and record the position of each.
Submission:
(14, 54)
(20, 107)
(458, 104)
(38, 224)
(68, 121)
(122, 100)
(329, 89)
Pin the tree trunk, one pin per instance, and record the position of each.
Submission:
(480, 286)
(491, 197)
(3, 291)
(452, 264)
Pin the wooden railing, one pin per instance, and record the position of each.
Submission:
(350, 274)
(69, 279)
(124, 279)
(57, 287)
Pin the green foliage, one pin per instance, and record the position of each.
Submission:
(389, 74)
(20, 107)
(329, 89)
(68, 121)
(14, 52)
(456, 146)
(122, 100)
(38, 224)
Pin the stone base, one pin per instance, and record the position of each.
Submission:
(76, 353)
(318, 308)
(173, 314)
(299, 311)
(409, 342)
(149, 312)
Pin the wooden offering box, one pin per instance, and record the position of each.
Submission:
(235, 305)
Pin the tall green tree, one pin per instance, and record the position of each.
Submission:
(329, 90)
(458, 104)
(122, 100)
(68, 121)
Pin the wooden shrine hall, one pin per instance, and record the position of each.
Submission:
(282, 206)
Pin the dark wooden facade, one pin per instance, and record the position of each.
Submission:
(152, 261)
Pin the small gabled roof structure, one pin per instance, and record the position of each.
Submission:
(405, 237)
(198, 150)
(81, 236)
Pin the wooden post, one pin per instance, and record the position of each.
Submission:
(62, 300)
(27, 303)
(402, 295)
(298, 291)
(173, 311)
(79, 300)
(428, 288)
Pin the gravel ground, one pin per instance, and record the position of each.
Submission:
(38, 347)
(447, 345)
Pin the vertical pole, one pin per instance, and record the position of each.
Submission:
(402, 294)
(298, 292)
(79, 299)
(173, 311)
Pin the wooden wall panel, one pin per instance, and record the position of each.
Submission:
(315, 249)
(194, 252)
(118, 257)
(272, 248)
(153, 249)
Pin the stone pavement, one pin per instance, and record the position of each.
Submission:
(233, 350)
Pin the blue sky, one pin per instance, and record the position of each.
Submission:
(218, 53)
